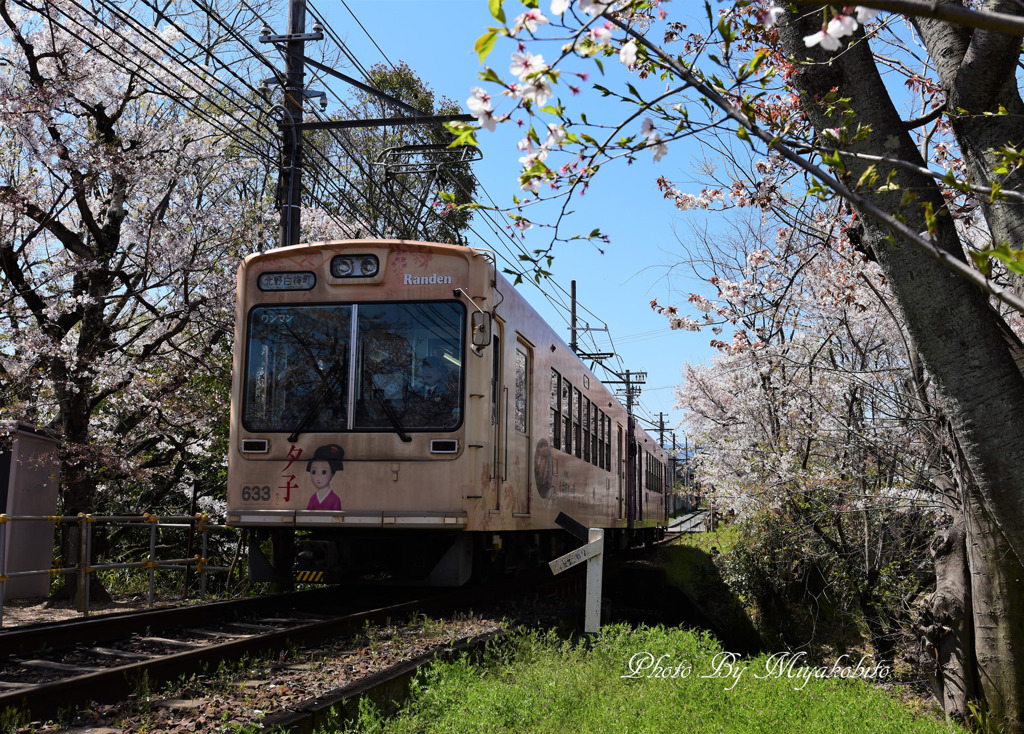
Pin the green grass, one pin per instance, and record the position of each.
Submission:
(534, 682)
(723, 538)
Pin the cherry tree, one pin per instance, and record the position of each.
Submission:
(123, 215)
(930, 181)
(811, 425)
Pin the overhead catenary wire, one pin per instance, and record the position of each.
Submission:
(197, 80)
(506, 242)
(215, 101)
(105, 50)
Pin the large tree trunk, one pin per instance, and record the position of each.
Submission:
(997, 596)
(946, 625)
(958, 335)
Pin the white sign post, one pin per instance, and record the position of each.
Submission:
(592, 553)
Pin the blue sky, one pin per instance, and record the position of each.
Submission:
(436, 37)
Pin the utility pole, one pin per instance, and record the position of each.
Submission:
(629, 380)
(677, 500)
(661, 428)
(291, 152)
(573, 345)
(289, 179)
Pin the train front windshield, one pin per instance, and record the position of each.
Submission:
(349, 367)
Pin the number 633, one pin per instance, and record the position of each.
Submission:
(255, 494)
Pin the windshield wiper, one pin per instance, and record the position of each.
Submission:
(332, 380)
(389, 410)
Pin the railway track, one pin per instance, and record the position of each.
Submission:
(50, 669)
(46, 669)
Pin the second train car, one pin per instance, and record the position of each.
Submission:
(400, 411)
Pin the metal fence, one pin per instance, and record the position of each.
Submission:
(85, 523)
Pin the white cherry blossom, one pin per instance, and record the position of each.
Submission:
(842, 25)
(865, 15)
(525, 64)
(657, 146)
(556, 134)
(537, 90)
(480, 99)
(593, 7)
(772, 15)
(839, 26)
(829, 43)
(533, 154)
(486, 118)
(627, 54)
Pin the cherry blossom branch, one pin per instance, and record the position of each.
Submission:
(773, 142)
(953, 13)
(922, 170)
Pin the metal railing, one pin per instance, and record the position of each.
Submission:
(200, 523)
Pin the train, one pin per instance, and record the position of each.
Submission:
(400, 412)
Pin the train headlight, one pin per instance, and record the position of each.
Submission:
(354, 266)
(341, 267)
(368, 266)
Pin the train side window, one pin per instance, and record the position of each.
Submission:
(608, 442)
(522, 391)
(593, 435)
(556, 413)
(601, 439)
(586, 429)
(576, 408)
(567, 408)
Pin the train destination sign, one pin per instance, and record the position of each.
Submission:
(301, 281)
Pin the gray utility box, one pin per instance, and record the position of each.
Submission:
(29, 480)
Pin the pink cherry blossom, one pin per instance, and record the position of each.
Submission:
(601, 34)
(559, 6)
(838, 27)
(529, 20)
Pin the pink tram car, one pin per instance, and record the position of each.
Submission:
(398, 410)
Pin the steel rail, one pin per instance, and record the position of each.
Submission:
(115, 683)
(59, 635)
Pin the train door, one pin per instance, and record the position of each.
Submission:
(619, 470)
(497, 398)
(519, 432)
